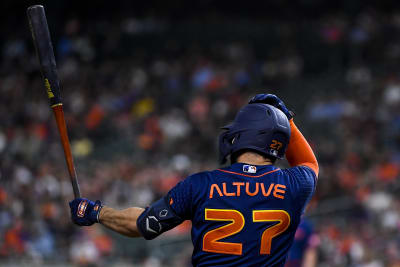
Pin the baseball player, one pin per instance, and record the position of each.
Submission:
(242, 215)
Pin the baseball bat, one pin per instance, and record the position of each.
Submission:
(44, 50)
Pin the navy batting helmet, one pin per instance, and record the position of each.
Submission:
(259, 127)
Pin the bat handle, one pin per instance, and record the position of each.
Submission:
(62, 128)
(75, 187)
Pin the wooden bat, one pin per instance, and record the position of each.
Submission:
(44, 50)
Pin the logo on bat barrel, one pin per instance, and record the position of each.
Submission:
(82, 208)
(47, 85)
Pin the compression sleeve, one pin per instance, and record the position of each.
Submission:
(167, 212)
(299, 152)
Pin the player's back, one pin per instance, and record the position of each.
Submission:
(246, 215)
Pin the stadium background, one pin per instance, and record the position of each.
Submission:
(146, 86)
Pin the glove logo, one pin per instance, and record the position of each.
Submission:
(82, 209)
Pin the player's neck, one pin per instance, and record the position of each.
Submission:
(253, 159)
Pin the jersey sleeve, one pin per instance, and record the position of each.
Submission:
(303, 182)
(299, 152)
(180, 198)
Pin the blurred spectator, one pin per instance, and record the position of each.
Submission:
(303, 252)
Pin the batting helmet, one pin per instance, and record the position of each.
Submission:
(259, 127)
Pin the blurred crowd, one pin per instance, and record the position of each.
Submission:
(143, 114)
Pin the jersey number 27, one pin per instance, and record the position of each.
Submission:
(210, 239)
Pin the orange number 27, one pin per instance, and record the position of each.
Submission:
(211, 239)
(276, 144)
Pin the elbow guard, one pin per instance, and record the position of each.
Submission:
(157, 219)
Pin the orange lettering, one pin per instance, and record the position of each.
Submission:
(269, 189)
(238, 185)
(277, 190)
(226, 193)
(248, 192)
(216, 188)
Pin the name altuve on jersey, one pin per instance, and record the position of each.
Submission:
(248, 188)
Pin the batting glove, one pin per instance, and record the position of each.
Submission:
(272, 100)
(85, 212)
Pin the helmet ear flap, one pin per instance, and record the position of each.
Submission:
(224, 146)
(227, 144)
(227, 140)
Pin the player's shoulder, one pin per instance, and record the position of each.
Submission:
(301, 177)
(300, 172)
(198, 177)
(302, 181)
(190, 185)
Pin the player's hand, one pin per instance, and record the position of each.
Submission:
(274, 101)
(85, 212)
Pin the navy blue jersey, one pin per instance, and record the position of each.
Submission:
(243, 215)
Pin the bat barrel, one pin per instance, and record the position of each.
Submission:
(44, 50)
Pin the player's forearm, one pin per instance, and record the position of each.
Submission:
(299, 151)
(121, 221)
